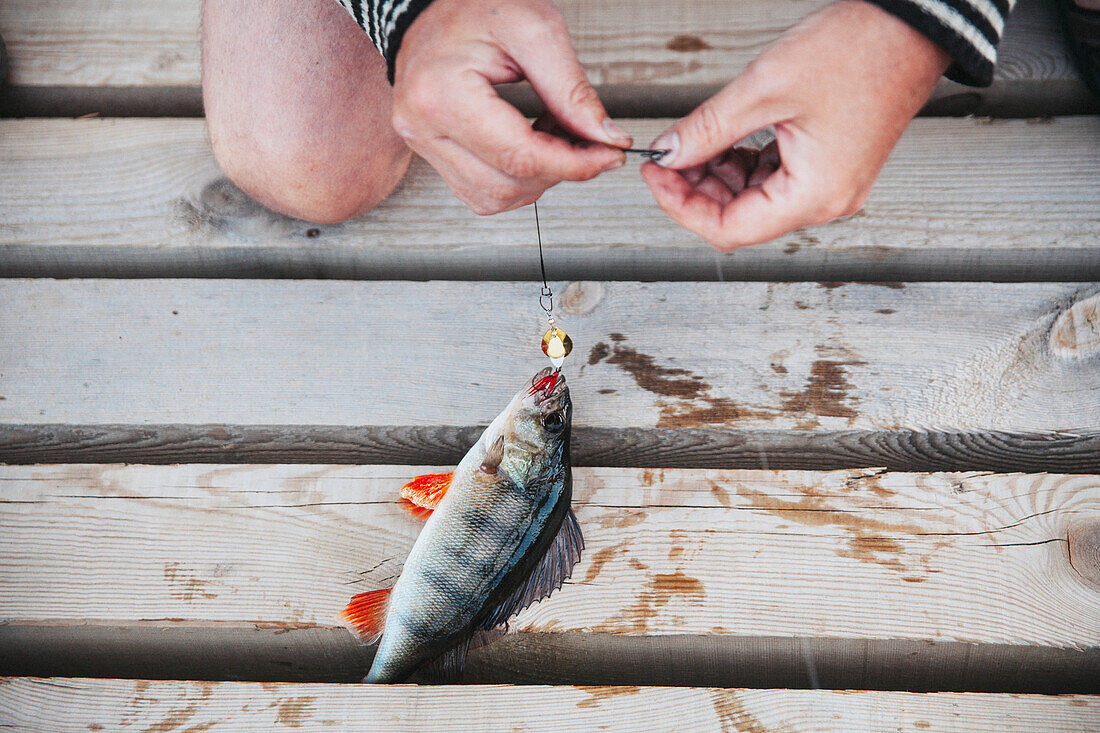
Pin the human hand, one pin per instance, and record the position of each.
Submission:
(445, 107)
(839, 88)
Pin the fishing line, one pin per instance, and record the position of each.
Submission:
(556, 343)
(546, 300)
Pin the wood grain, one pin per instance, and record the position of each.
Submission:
(973, 558)
(80, 704)
(129, 58)
(144, 198)
(826, 369)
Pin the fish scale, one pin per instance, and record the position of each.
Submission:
(502, 536)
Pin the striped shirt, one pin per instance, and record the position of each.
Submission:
(969, 30)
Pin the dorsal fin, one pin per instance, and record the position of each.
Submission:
(493, 456)
(547, 576)
(428, 490)
(365, 614)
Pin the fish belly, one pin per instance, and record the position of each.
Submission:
(451, 574)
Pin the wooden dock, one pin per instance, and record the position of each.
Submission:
(845, 481)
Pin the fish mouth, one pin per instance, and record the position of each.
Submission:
(548, 384)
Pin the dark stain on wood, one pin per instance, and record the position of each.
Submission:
(733, 716)
(656, 594)
(218, 434)
(601, 558)
(826, 393)
(720, 493)
(686, 397)
(791, 248)
(663, 381)
(624, 518)
(186, 583)
(885, 311)
(200, 727)
(869, 539)
(778, 368)
(294, 711)
(921, 724)
(173, 720)
(801, 306)
(891, 285)
(598, 353)
(687, 44)
(599, 694)
(606, 390)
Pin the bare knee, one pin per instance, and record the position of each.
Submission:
(298, 107)
(308, 179)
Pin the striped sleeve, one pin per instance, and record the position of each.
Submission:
(385, 21)
(968, 30)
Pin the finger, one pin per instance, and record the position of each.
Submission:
(769, 155)
(760, 175)
(496, 132)
(479, 186)
(731, 170)
(550, 64)
(729, 116)
(694, 175)
(692, 210)
(755, 215)
(715, 188)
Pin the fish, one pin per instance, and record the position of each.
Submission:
(500, 535)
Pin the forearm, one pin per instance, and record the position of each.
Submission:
(385, 21)
(968, 30)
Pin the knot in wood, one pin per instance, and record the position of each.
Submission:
(581, 297)
(1076, 333)
(1084, 552)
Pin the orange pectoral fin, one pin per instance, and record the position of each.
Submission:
(427, 491)
(365, 615)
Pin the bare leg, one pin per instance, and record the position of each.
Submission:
(298, 107)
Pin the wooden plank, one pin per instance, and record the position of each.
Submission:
(83, 704)
(974, 375)
(144, 198)
(127, 58)
(855, 565)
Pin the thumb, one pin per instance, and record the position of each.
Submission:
(560, 82)
(732, 114)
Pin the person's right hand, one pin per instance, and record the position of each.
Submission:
(446, 110)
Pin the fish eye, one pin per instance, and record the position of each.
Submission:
(554, 422)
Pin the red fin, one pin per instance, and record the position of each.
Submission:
(365, 614)
(427, 491)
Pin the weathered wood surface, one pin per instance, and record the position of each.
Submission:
(970, 375)
(857, 565)
(142, 198)
(125, 58)
(122, 705)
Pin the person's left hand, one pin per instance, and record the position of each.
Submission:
(839, 88)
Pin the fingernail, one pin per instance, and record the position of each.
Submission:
(614, 131)
(670, 141)
(615, 164)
